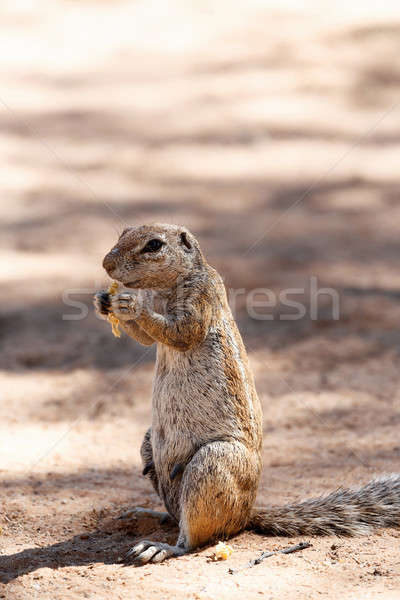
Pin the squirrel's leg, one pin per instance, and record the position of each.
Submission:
(185, 327)
(218, 489)
(102, 304)
(146, 452)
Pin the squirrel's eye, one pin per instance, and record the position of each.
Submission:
(152, 246)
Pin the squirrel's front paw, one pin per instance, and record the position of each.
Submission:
(124, 306)
(102, 304)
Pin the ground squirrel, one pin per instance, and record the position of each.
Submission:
(203, 450)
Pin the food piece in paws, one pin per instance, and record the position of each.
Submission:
(113, 289)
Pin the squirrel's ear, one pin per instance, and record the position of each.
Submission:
(185, 240)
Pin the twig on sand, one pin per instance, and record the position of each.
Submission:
(264, 555)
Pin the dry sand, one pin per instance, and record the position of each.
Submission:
(272, 130)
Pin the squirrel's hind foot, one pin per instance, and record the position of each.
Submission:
(149, 551)
(139, 512)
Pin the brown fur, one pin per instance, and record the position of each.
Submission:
(203, 450)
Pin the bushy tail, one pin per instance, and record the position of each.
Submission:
(343, 512)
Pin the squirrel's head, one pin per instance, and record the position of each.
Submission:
(153, 256)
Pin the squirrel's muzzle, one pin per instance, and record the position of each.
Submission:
(110, 260)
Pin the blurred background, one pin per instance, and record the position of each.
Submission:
(272, 130)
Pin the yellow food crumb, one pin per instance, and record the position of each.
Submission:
(114, 324)
(113, 289)
(222, 551)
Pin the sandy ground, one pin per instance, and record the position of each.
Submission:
(271, 129)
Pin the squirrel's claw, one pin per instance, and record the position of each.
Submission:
(149, 551)
(102, 303)
(124, 306)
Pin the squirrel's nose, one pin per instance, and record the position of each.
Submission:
(110, 260)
